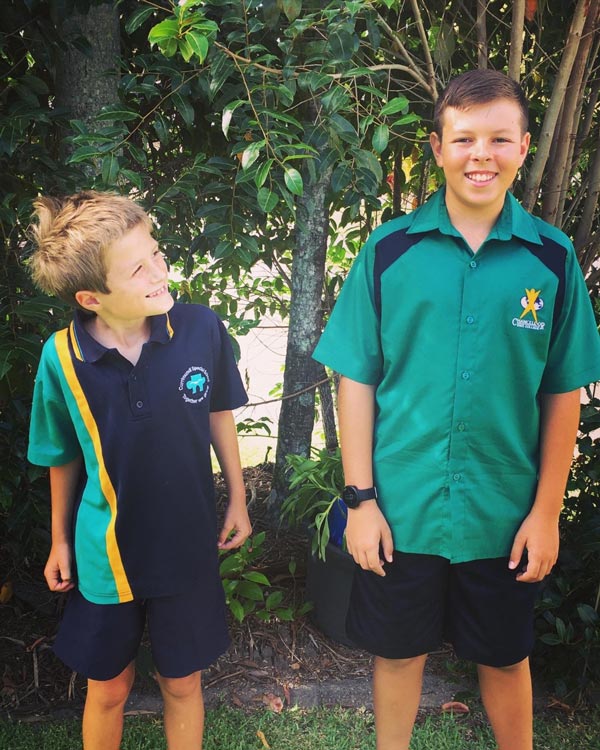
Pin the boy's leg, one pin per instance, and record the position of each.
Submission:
(507, 697)
(103, 712)
(396, 695)
(183, 712)
(491, 623)
(399, 619)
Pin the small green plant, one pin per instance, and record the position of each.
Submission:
(315, 487)
(248, 591)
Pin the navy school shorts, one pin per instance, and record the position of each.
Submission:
(187, 633)
(424, 600)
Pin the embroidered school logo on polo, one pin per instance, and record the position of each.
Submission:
(194, 385)
(531, 303)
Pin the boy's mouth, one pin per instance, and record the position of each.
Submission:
(158, 292)
(481, 178)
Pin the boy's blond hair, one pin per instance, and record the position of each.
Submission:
(71, 235)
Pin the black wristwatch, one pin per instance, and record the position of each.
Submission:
(353, 497)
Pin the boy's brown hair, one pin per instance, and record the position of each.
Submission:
(71, 234)
(479, 87)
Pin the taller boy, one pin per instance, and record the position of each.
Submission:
(463, 334)
(127, 402)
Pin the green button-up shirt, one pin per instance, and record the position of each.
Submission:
(459, 346)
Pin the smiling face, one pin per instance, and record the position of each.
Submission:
(137, 279)
(480, 151)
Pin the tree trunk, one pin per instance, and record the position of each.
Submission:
(86, 82)
(516, 40)
(552, 113)
(328, 413)
(296, 419)
(557, 174)
(481, 28)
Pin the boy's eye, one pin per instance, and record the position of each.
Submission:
(139, 268)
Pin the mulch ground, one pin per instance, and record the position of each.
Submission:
(265, 658)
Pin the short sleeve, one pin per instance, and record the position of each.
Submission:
(228, 390)
(574, 356)
(52, 437)
(350, 343)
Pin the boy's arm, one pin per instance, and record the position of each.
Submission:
(539, 531)
(367, 530)
(63, 485)
(223, 436)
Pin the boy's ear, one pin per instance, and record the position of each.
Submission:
(525, 141)
(436, 146)
(87, 300)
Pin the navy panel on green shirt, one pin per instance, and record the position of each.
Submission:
(459, 346)
(145, 524)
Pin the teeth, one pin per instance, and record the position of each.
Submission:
(481, 177)
(159, 292)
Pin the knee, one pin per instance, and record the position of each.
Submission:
(180, 688)
(112, 693)
(396, 666)
(510, 669)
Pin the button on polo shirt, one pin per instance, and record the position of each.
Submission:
(459, 347)
(145, 523)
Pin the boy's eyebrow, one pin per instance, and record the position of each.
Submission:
(136, 263)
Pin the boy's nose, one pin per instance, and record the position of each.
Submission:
(480, 151)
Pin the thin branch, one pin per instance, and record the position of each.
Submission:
(516, 40)
(426, 50)
(413, 69)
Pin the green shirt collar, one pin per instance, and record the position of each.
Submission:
(514, 221)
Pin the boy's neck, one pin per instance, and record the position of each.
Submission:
(474, 226)
(128, 337)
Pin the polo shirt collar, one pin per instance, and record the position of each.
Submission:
(514, 221)
(87, 349)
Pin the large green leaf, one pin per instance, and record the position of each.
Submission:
(163, 31)
(293, 181)
(381, 138)
(398, 104)
(198, 43)
(267, 199)
(138, 17)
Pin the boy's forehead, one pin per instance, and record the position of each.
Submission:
(484, 114)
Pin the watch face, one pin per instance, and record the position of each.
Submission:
(350, 497)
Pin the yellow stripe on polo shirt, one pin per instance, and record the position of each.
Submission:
(106, 485)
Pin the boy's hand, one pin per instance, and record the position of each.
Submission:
(367, 532)
(238, 522)
(539, 536)
(58, 568)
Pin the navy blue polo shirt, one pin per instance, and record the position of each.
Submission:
(460, 346)
(145, 522)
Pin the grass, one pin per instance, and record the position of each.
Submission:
(316, 729)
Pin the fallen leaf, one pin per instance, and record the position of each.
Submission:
(236, 701)
(286, 694)
(6, 592)
(263, 739)
(455, 707)
(296, 665)
(273, 702)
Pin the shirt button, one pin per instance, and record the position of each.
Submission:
(139, 404)
(466, 375)
(470, 319)
(457, 477)
(461, 426)
(473, 264)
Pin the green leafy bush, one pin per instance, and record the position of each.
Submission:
(568, 623)
(248, 591)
